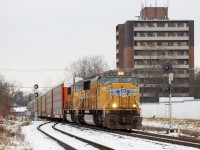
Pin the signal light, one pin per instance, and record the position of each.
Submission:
(167, 68)
(36, 94)
(167, 88)
(35, 86)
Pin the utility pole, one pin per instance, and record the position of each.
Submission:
(170, 76)
(168, 88)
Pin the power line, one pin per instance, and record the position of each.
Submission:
(31, 70)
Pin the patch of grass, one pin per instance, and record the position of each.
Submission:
(2, 129)
(195, 134)
(26, 123)
(158, 129)
(10, 137)
(187, 126)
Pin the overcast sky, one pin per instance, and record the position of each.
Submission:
(39, 38)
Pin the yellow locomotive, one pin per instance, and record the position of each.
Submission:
(111, 99)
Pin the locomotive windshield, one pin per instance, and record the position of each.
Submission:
(132, 80)
(109, 80)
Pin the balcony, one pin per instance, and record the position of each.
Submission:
(146, 66)
(161, 95)
(161, 38)
(158, 66)
(160, 85)
(181, 66)
(181, 75)
(162, 57)
(161, 28)
(161, 47)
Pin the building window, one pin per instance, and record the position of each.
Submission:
(135, 62)
(166, 34)
(183, 43)
(175, 24)
(145, 25)
(145, 34)
(185, 62)
(154, 34)
(175, 43)
(181, 24)
(137, 43)
(145, 43)
(185, 53)
(165, 43)
(175, 34)
(154, 24)
(154, 43)
(165, 24)
(138, 34)
(184, 33)
(185, 25)
(175, 53)
(138, 25)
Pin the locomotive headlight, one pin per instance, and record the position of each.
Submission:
(120, 73)
(134, 105)
(114, 105)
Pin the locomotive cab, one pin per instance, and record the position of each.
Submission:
(120, 100)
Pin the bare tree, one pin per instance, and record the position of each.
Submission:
(87, 67)
(6, 95)
(150, 75)
(196, 84)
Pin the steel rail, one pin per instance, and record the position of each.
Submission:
(101, 147)
(64, 145)
(150, 136)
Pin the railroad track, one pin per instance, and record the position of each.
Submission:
(68, 147)
(64, 145)
(162, 138)
(150, 136)
(99, 146)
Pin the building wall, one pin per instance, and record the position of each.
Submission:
(154, 13)
(144, 45)
(182, 108)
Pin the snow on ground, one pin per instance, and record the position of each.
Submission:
(164, 123)
(19, 109)
(120, 142)
(37, 140)
(66, 139)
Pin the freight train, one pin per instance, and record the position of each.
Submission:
(111, 99)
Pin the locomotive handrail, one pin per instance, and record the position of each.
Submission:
(104, 107)
(137, 103)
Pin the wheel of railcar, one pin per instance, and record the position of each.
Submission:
(73, 117)
(98, 119)
(81, 119)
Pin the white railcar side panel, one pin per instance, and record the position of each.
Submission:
(57, 101)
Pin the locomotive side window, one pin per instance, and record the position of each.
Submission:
(134, 81)
(78, 87)
(109, 80)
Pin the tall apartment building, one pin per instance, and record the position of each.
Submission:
(143, 45)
